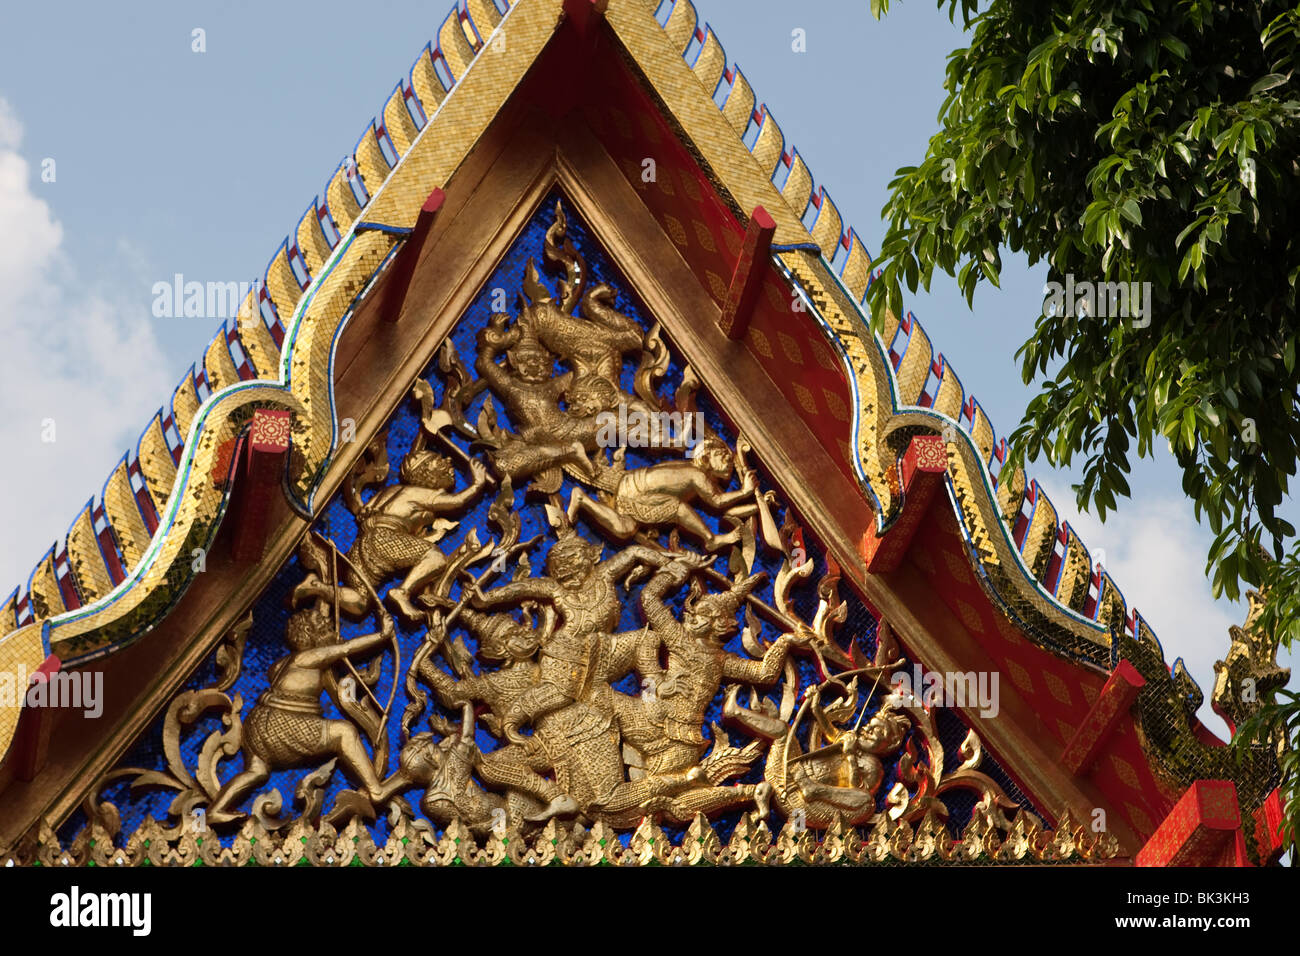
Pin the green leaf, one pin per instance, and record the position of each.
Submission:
(1269, 82)
(1199, 220)
(1175, 46)
(1252, 381)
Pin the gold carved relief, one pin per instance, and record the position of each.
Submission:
(571, 751)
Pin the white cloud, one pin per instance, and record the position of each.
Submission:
(74, 353)
(30, 235)
(1155, 552)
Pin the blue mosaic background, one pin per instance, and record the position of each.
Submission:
(266, 640)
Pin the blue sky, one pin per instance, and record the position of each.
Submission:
(173, 161)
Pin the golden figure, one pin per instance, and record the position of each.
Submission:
(546, 438)
(841, 772)
(595, 344)
(503, 639)
(583, 590)
(578, 743)
(399, 527)
(549, 654)
(697, 662)
(661, 494)
(286, 726)
(446, 768)
(665, 726)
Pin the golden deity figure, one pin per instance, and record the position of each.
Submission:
(697, 663)
(545, 437)
(556, 415)
(287, 726)
(593, 344)
(446, 769)
(503, 639)
(583, 590)
(399, 527)
(840, 773)
(661, 494)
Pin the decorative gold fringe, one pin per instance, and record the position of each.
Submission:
(414, 843)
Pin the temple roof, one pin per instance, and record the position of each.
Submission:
(124, 560)
(109, 537)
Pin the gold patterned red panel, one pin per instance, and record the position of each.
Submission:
(1103, 719)
(1059, 691)
(270, 430)
(1269, 817)
(786, 341)
(1198, 829)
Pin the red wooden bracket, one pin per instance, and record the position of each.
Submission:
(1269, 817)
(404, 264)
(738, 308)
(31, 740)
(1203, 829)
(1118, 694)
(920, 474)
(257, 481)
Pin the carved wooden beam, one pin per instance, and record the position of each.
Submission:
(1203, 829)
(404, 264)
(747, 277)
(32, 738)
(257, 481)
(1118, 694)
(920, 473)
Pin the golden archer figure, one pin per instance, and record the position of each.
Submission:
(841, 771)
(398, 529)
(287, 726)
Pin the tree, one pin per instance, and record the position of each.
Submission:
(1136, 141)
